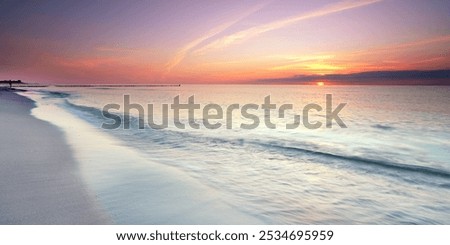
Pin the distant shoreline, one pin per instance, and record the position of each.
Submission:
(327, 83)
(117, 85)
(25, 85)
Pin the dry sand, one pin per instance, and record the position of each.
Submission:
(39, 179)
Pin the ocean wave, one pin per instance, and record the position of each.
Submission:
(53, 94)
(383, 127)
(186, 140)
(385, 164)
(93, 111)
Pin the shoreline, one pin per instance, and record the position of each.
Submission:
(134, 188)
(40, 181)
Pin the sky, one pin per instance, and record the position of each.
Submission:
(201, 41)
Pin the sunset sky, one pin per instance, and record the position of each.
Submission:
(200, 41)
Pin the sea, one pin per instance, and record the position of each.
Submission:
(332, 155)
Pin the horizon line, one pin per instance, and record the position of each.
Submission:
(360, 77)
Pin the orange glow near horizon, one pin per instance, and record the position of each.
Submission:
(231, 42)
(320, 84)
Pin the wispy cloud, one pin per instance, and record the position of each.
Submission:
(400, 46)
(381, 58)
(309, 63)
(181, 54)
(258, 30)
(302, 58)
(424, 42)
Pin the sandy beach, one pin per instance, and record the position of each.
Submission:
(58, 169)
(39, 179)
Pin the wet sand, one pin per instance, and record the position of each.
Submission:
(40, 181)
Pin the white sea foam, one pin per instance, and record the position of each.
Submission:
(390, 166)
(133, 188)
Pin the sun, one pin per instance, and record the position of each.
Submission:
(320, 83)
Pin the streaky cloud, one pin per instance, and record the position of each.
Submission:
(258, 30)
(181, 54)
(407, 45)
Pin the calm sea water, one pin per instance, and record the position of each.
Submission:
(391, 165)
